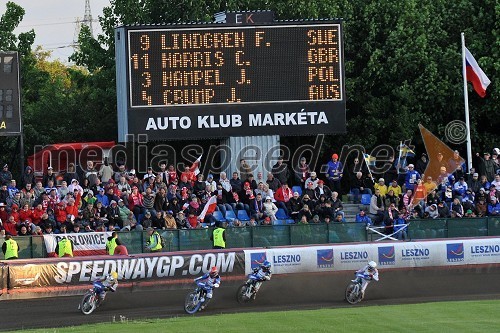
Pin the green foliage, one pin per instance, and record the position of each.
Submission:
(402, 65)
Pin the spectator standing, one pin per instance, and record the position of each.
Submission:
(49, 176)
(10, 248)
(334, 173)
(5, 175)
(301, 172)
(106, 172)
(280, 171)
(421, 164)
(486, 166)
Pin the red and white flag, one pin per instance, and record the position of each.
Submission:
(475, 74)
(209, 207)
(196, 166)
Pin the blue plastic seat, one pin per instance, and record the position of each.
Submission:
(290, 221)
(281, 214)
(297, 189)
(242, 215)
(278, 222)
(218, 216)
(230, 216)
(365, 199)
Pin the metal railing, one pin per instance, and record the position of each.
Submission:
(282, 235)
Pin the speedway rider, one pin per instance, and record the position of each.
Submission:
(261, 274)
(110, 283)
(209, 281)
(369, 273)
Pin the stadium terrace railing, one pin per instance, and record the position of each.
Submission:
(283, 235)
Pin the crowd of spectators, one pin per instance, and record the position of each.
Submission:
(111, 198)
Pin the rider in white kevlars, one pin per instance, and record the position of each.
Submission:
(110, 283)
(262, 273)
(370, 273)
(211, 280)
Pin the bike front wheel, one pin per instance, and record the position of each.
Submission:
(352, 293)
(242, 294)
(88, 303)
(192, 303)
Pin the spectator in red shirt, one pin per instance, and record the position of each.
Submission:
(25, 214)
(283, 196)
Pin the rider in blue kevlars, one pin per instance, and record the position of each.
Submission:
(369, 273)
(261, 274)
(209, 281)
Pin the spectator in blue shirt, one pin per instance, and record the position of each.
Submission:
(411, 177)
(494, 207)
(361, 217)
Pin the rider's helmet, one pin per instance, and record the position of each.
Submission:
(214, 272)
(266, 266)
(372, 265)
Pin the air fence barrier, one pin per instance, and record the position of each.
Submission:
(71, 276)
(284, 235)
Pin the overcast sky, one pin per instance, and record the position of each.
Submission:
(54, 22)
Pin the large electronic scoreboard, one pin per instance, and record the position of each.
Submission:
(214, 80)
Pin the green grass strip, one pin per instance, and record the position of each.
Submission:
(442, 317)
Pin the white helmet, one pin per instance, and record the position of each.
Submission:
(372, 265)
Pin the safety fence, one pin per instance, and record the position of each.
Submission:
(283, 235)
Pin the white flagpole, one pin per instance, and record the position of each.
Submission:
(466, 101)
(399, 158)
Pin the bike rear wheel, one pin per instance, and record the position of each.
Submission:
(352, 293)
(88, 304)
(241, 295)
(192, 303)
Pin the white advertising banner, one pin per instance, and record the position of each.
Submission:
(84, 244)
(387, 255)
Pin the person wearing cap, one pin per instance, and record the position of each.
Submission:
(280, 171)
(147, 220)
(494, 207)
(474, 184)
(312, 179)
(170, 220)
(10, 248)
(381, 186)
(457, 208)
(411, 177)
(486, 166)
(5, 175)
(50, 175)
(334, 173)
(322, 189)
(153, 244)
(210, 182)
(302, 172)
(361, 217)
(266, 221)
(359, 185)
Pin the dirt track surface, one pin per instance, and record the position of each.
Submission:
(281, 293)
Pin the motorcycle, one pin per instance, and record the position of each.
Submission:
(353, 292)
(248, 291)
(91, 299)
(196, 298)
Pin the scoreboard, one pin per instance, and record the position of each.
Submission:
(10, 103)
(199, 81)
